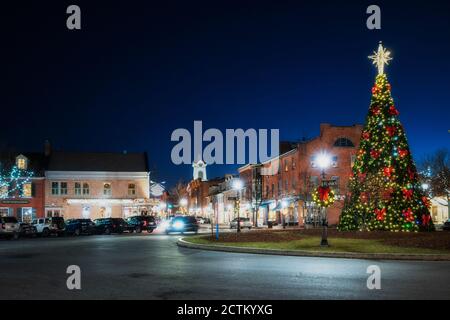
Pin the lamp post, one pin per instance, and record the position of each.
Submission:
(324, 161)
(238, 185)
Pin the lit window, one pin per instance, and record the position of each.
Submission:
(27, 190)
(107, 189)
(4, 192)
(85, 188)
(21, 162)
(314, 180)
(77, 188)
(131, 189)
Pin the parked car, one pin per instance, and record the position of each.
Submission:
(9, 227)
(203, 220)
(446, 226)
(50, 226)
(77, 227)
(244, 223)
(182, 224)
(140, 223)
(112, 225)
(27, 230)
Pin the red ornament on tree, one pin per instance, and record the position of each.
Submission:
(403, 153)
(391, 130)
(411, 173)
(375, 154)
(366, 135)
(388, 86)
(375, 90)
(407, 194)
(393, 111)
(376, 110)
(426, 218)
(426, 201)
(380, 213)
(409, 215)
(388, 171)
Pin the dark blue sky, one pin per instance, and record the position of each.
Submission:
(138, 70)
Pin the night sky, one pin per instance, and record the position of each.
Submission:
(140, 69)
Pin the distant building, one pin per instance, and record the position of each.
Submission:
(97, 185)
(439, 210)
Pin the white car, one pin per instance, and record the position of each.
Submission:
(47, 226)
(244, 223)
(9, 227)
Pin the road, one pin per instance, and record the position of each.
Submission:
(153, 267)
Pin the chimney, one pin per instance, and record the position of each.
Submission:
(47, 148)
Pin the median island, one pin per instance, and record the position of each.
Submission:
(388, 243)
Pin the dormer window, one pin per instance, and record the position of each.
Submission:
(22, 162)
(344, 142)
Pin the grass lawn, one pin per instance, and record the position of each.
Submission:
(312, 243)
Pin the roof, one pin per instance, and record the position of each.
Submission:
(36, 161)
(98, 161)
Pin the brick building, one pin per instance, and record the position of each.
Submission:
(286, 182)
(22, 198)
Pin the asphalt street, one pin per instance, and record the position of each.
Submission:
(152, 266)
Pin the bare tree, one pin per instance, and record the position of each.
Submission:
(177, 192)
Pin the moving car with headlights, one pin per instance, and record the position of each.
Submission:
(140, 223)
(112, 225)
(27, 230)
(182, 224)
(9, 227)
(244, 223)
(49, 226)
(77, 227)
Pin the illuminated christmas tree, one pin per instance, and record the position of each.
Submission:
(385, 193)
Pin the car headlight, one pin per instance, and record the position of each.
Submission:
(178, 225)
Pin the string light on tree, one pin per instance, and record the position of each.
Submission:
(385, 192)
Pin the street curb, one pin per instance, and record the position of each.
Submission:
(297, 253)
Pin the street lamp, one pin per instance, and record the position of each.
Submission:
(238, 186)
(323, 162)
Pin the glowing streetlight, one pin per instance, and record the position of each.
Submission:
(183, 202)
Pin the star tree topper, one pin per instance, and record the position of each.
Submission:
(381, 58)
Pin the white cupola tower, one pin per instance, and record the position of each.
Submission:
(199, 170)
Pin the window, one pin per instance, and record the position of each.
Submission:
(313, 161)
(4, 212)
(286, 183)
(131, 189)
(55, 188)
(22, 162)
(344, 142)
(334, 161)
(107, 189)
(286, 166)
(59, 188)
(63, 188)
(273, 189)
(336, 188)
(314, 180)
(85, 188)
(27, 190)
(53, 213)
(4, 192)
(77, 188)
(294, 165)
(267, 191)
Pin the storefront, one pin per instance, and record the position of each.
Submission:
(23, 210)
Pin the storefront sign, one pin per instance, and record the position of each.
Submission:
(15, 201)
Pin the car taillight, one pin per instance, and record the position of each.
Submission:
(145, 223)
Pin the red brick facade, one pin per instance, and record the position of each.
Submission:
(286, 192)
